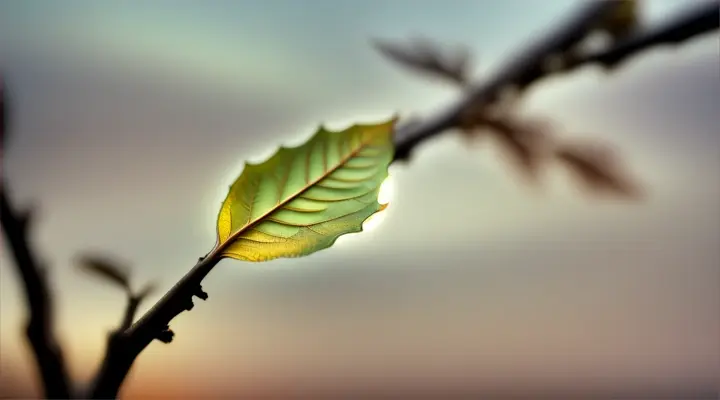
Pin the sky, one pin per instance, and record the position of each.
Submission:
(132, 118)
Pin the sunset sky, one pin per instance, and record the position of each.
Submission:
(132, 118)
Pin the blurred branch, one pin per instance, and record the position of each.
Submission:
(40, 325)
(124, 347)
(702, 17)
(535, 63)
(39, 330)
(117, 274)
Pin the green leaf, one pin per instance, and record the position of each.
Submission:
(303, 198)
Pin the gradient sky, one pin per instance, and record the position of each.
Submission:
(132, 118)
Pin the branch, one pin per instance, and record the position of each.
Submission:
(530, 66)
(124, 347)
(47, 352)
(700, 19)
(118, 274)
(39, 329)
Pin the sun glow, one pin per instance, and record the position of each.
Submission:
(387, 190)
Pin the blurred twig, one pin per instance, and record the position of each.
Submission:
(116, 273)
(700, 18)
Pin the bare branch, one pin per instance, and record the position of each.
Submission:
(40, 326)
(123, 348)
(702, 18)
(116, 344)
(532, 64)
(116, 357)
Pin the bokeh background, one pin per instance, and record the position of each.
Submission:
(132, 118)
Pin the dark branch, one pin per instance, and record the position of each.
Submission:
(39, 330)
(115, 353)
(702, 18)
(116, 348)
(532, 64)
(124, 347)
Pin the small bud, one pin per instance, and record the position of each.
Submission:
(200, 293)
(166, 336)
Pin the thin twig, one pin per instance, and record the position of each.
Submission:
(115, 354)
(114, 272)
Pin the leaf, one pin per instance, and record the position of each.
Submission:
(303, 198)
(106, 269)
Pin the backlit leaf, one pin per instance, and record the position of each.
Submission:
(303, 198)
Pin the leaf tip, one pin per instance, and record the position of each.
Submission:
(383, 207)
